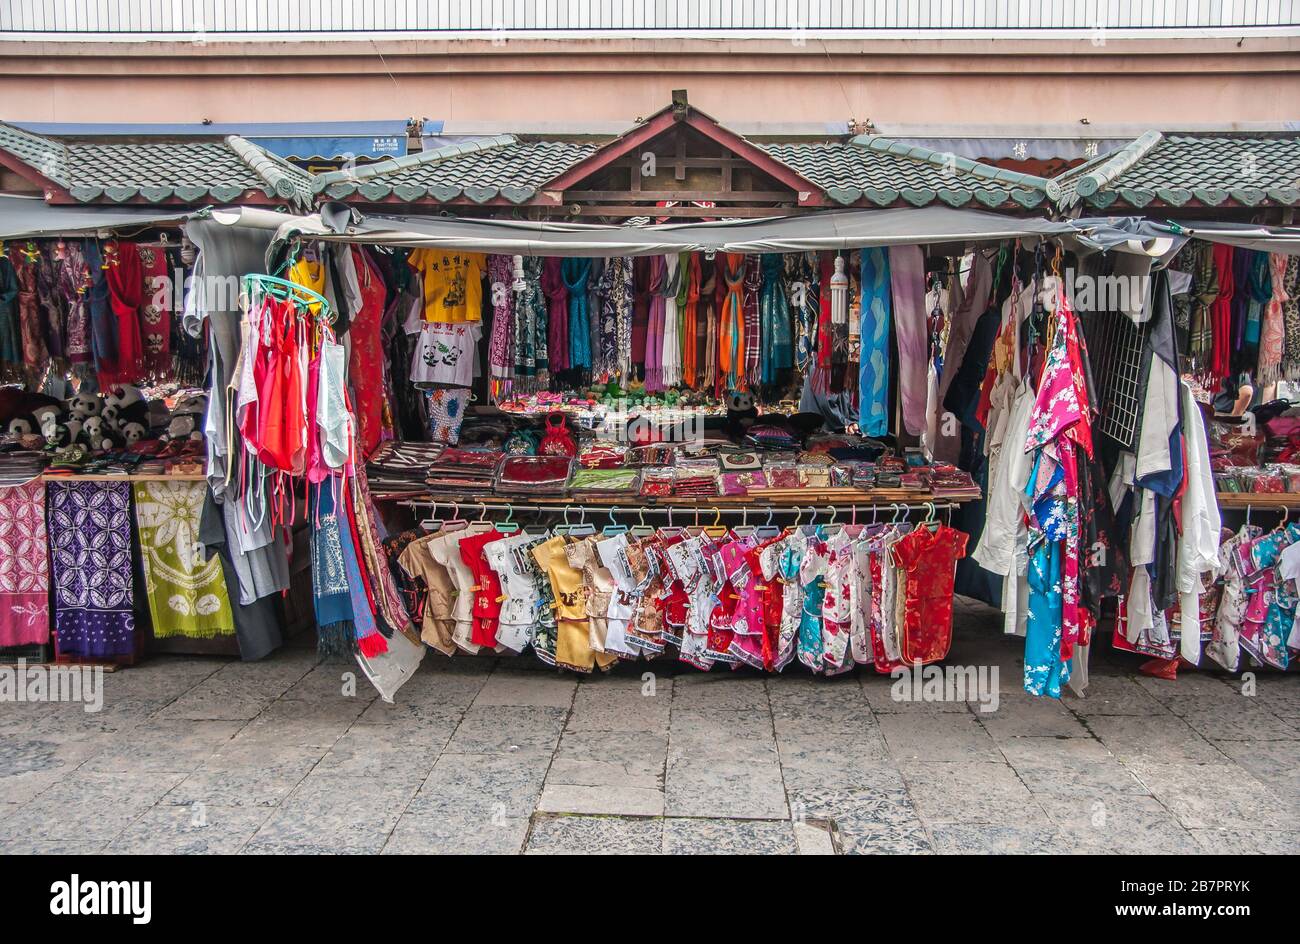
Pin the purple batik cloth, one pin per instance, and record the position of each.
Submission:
(90, 560)
(907, 281)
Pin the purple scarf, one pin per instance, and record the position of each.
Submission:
(90, 553)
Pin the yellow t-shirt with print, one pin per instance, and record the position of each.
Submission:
(453, 283)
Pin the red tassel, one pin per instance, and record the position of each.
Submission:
(373, 645)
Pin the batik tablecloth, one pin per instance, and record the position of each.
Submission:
(90, 556)
(187, 593)
(24, 566)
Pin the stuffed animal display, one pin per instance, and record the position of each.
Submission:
(119, 417)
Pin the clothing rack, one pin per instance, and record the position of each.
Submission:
(692, 511)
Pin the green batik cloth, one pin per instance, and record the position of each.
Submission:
(187, 594)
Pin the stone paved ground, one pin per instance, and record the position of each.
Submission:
(209, 755)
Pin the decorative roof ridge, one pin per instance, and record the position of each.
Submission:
(390, 165)
(1102, 173)
(888, 145)
(278, 174)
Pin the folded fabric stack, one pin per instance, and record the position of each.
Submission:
(951, 482)
(21, 466)
(657, 481)
(534, 475)
(602, 455)
(463, 471)
(697, 478)
(396, 467)
(605, 483)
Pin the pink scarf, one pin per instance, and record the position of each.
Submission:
(24, 566)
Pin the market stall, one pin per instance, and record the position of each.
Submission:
(832, 422)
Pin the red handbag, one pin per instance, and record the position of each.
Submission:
(557, 440)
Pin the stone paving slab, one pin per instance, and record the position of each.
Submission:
(202, 755)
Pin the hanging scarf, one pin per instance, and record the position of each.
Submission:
(616, 318)
(187, 594)
(731, 339)
(156, 312)
(531, 329)
(706, 324)
(654, 332)
(10, 345)
(74, 286)
(907, 283)
(90, 550)
(53, 304)
(575, 273)
(753, 333)
(1221, 314)
(557, 306)
(500, 270)
(1205, 289)
(641, 266)
(369, 640)
(798, 279)
(775, 321)
(873, 367)
(1291, 320)
(671, 361)
(24, 566)
(683, 291)
(31, 330)
(387, 596)
(1270, 341)
(126, 296)
(690, 322)
(335, 630)
(598, 367)
(1259, 292)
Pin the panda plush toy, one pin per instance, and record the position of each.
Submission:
(741, 412)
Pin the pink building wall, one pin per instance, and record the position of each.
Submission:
(1162, 83)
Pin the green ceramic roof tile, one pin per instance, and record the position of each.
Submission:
(884, 172)
(1178, 169)
(187, 171)
(480, 171)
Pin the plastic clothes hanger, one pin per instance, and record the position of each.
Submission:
(613, 527)
(641, 529)
(509, 526)
(582, 528)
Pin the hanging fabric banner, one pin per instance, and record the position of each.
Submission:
(873, 384)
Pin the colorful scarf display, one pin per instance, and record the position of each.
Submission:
(125, 277)
(873, 370)
(907, 283)
(691, 333)
(731, 337)
(500, 270)
(774, 307)
(156, 311)
(575, 273)
(557, 314)
(187, 594)
(1272, 332)
(90, 554)
(31, 330)
(24, 566)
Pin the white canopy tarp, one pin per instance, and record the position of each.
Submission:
(23, 217)
(837, 229)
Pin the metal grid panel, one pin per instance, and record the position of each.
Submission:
(1115, 348)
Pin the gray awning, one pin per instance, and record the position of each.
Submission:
(32, 217)
(1109, 232)
(840, 229)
